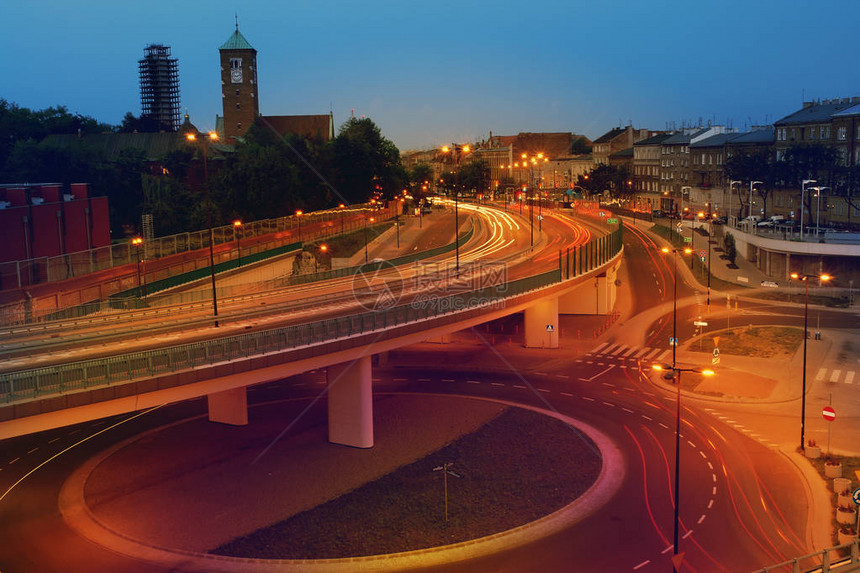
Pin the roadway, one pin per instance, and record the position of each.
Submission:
(742, 504)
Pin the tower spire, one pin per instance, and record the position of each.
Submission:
(237, 21)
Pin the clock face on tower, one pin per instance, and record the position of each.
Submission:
(236, 75)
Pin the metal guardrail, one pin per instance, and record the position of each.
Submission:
(59, 379)
(830, 559)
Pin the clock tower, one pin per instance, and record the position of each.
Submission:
(239, 91)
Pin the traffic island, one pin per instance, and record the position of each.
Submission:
(521, 474)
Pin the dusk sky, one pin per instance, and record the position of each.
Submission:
(437, 72)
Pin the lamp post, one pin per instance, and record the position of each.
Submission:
(818, 191)
(365, 238)
(731, 196)
(752, 185)
(803, 202)
(299, 221)
(676, 375)
(212, 136)
(675, 295)
(237, 224)
(805, 279)
(341, 207)
(141, 283)
(456, 150)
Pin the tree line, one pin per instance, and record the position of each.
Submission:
(263, 176)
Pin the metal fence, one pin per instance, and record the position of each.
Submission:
(17, 274)
(63, 378)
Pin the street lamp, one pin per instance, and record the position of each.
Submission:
(675, 370)
(299, 220)
(753, 184)
(137, 242)
(212, 136)
(341, 207)
(803, 203)
(237, 224)
(731, 196)
(818, 191)
(365, 238)
(674, 252)
(805, 279)
(456, 150)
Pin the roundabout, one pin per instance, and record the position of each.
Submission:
(153, 512)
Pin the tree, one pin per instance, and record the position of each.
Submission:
(475, 176)
(364, 162)
(730, 248)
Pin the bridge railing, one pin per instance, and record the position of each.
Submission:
(59, 379)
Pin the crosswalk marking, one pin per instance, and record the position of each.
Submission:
(629, 352)
(599, 348)
(663, 356)
(821, 373)
(849, 377)
(641, 352)
(651, 354)
(611, 349)
(834, 376)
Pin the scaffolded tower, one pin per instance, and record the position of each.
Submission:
(159, 87)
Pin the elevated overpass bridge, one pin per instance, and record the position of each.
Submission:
(337, 324)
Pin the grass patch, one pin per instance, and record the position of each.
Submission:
(517, 468)
(348, 244)
(761, 342)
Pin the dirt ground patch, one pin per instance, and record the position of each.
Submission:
(761, 341)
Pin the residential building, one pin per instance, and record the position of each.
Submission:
(647, 154)
(616, 140)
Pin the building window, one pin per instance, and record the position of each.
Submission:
(841, 133)
(780, 134)
(238, 105)
(235, 63)
(780, 154)
(824, 132)
(858, 133)
(812, 133)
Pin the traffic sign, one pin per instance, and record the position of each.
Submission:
(700, 323)
(855, 495)
(612, 221)
(715, 360)
(703, 253)
(716, 352)
(716, 341)
(601, 214)
(688, 239)
(828, 413)
(673, 341)
(550, 328)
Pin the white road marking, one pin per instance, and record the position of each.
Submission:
(447, 380)
(519, 386)
(599, 348)
(496, 384)
(835, 375)
(567, 394)
(587, 398)
(424, 380)
(13, 461)
(31, 451)
(399, 379)
(701, 519)
(710, 503)
(821, 373)
(643, 564)
(849, 377)
(473, 381)
(688, 534)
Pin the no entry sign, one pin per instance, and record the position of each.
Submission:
(828, 413)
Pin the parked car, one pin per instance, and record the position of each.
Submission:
(774, 220)
(769, 284)
(751, 220)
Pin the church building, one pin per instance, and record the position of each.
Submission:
(240, 97)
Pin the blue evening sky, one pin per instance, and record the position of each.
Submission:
(434, 72)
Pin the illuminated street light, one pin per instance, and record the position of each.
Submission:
(141, 284)
(237, 224)
(456, 150)
(676, 375)
(365, 238)
(802, 203)
(805, 279)
(299, 219)
(212, 136)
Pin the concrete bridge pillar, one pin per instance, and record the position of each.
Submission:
(229, 407)
(541, 320)
(350, 403)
